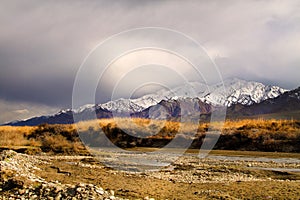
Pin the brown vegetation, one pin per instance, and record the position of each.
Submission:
(256, 135)
(15, 136)
(46, 138)
(262, 135)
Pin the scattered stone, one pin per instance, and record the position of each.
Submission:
(112, 192)
(17, 169)
(19, 181)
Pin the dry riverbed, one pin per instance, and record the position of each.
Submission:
(218, 176)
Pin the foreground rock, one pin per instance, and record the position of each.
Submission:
(18, 181)
(56, 190)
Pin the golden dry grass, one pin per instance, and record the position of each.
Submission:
(259, 123)
(61, 137)
(15, 136)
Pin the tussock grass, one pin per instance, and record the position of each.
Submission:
(286, 129)
(15, 136)
(246, 134)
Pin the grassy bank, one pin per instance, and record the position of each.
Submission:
(250, 135)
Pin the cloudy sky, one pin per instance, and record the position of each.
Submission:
(43, 44)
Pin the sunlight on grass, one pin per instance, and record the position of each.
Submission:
(261, 134)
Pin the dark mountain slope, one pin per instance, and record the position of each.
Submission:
(285, 103)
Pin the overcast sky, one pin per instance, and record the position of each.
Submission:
(43, 43)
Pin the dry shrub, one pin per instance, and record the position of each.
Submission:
(57, 138)
(55, 143)
(262, 135)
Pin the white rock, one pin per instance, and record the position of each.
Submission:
(112, 192)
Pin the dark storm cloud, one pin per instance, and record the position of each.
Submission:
(42, 44)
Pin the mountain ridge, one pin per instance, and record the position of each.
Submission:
(233, 91)
(240, 97)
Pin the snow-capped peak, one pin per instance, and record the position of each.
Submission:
(84, 108)
(231, 91)
(64, 111)
(249, 92)
(122, 105)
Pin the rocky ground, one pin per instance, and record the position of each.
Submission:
(84, 177)
(19, 181)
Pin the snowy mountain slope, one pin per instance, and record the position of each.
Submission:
(234, 91)
(122, 105)
(243, 92)
(286, 104)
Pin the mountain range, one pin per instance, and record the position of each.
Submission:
(242, 99)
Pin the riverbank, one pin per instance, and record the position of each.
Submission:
(189, 177)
